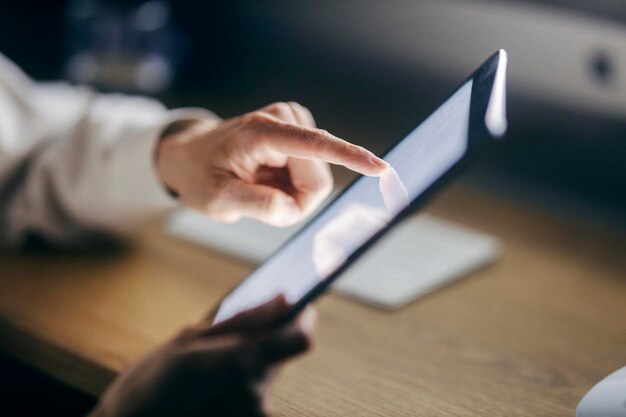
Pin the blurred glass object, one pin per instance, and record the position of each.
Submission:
(125, 46)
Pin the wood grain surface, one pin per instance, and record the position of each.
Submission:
(525, 337)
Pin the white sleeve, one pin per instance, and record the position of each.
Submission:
(73, 161)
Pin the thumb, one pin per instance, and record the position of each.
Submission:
(261, 202)
(256, 319)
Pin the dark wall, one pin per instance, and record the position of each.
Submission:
(233, 63)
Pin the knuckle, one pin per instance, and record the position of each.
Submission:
(297, 106)
(281, 110)
(257, 118)
(318, 135)
(325, 133)
(360, 151)
(304, 112)
(321, 142)
(279, 107)
(270, 205)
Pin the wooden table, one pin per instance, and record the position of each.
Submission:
(525, 337)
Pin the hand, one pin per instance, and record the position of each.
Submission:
(269, 165)
(212, 370)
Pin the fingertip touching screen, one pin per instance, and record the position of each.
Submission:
(324, 244)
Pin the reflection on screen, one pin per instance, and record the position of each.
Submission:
(370, 204)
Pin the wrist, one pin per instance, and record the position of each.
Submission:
(166, 146)
(177, 126)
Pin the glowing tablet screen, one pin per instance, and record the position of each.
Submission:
(358, 214)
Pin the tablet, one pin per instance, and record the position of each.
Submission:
(463, 127)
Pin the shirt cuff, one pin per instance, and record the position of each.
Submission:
(135, 169)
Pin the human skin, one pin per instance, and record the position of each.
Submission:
(212, 370)
(269, 165)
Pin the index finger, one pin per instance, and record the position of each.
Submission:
(310, 143)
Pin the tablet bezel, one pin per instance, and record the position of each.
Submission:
(480, 136)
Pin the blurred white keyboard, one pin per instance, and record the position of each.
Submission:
(418, 256)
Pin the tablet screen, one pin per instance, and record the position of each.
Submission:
(324, 244)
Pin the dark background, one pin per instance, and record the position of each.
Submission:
(555, 158)
(231, 63)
